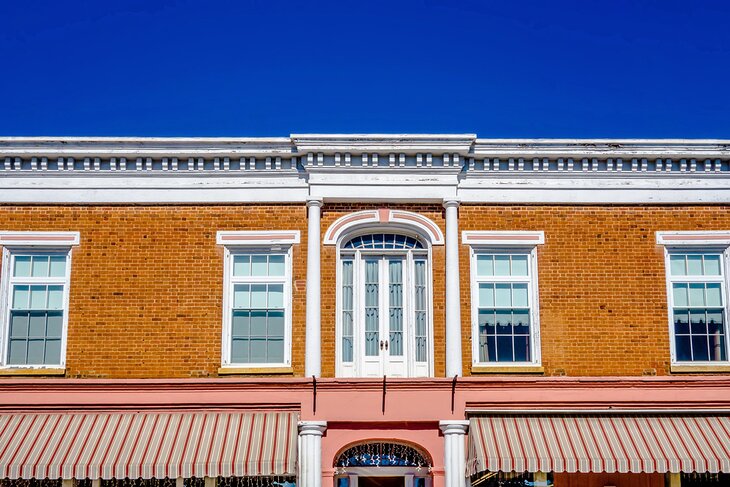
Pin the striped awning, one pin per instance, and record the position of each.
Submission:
(599, 443)
(147, 444)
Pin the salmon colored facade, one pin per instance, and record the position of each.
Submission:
(373, 265)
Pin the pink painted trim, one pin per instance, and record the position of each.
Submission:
(347, 219)
(384, 215)
(433, 229)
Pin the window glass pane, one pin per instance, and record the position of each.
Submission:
(680, 295)
(241, 324)
(504, 349)
(258, 296)
(239, 351)
(275, 350)
(276, 324)
(58, 266)
(519, 295)
(522, 348)
(55, 297)
(37, 326)
(504, 321)
(276, 265)
(54, 325)
(276, 296)
(696, 294)
(16, 352)
(486, 295)
(22, 266)
(258, 350)
(521, 321)
(502, 294)
(713, 297)
(40, 266)
(258, 265)
(36, 351)
(694, 265)
(712, 265)
(19, 324)
(21, 295)
(487, 322)
(677, 264)
(258, 323)
(53, 352)
(681, 321)
(242, 265)
(697, 323)
(684, 349)
(241, 296)
(699, 348)
(38, 297)
(501, 265)
(485, 265)
(519, 265)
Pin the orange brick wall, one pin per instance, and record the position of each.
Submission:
(146, 283)
(603, 303)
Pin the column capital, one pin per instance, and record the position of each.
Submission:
(318, 202)
(454, 426)
(313, 428)
(451, 203)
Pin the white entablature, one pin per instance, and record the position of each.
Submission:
(363, 167)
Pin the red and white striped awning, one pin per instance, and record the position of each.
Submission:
(147, 445)
(599, 443)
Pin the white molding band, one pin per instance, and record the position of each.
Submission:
(421, 224)
(253, 238)
(698, 238)
(502, 238)
(39, 239)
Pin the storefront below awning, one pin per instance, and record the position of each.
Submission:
(147, 445)
(599, 443)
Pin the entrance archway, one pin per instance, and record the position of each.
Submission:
(382, 464)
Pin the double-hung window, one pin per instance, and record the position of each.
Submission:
(505, 327)
(257, 300)
(35, 290)
(696, 268)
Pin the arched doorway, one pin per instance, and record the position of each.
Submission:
(382, 464)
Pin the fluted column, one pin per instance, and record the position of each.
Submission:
(310, 453)
(454, 451)
(453, 298)
(313, 345)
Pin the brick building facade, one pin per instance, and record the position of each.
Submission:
(433, 300)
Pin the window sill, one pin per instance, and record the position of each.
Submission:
(689, 369)
(255, 371)
(507, 369)
(19, 371)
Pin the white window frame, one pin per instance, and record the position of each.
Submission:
(33, 243)
(503, 242)
(255, 242)
(353, 369)
(694, 242)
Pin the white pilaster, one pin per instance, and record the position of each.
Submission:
(313, 352)
(453, 298)
(310, 453)
(454, 451)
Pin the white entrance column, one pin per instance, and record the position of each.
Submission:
(313, 342)
(454, 451)
(310, 453)
(453, 298)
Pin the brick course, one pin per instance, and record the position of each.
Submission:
(146, 282)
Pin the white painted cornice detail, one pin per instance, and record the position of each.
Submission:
(39, 239)
(410, 144)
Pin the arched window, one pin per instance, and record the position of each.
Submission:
(382, 454)
(384, 323)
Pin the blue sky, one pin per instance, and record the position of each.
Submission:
(608, 68)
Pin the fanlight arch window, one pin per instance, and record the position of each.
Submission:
(383, 241)
(382, 454)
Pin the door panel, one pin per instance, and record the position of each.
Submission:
(394, 358)
(372, 361)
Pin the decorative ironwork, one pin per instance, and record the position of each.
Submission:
(382, 455)
(705, 479)
(273, 481)
(30, 482)
(166, 482)
(506, 479)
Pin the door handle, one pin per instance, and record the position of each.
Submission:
(386, 344)
(381, 344)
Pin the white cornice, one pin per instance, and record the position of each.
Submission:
(601, 148)
(386, 143)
